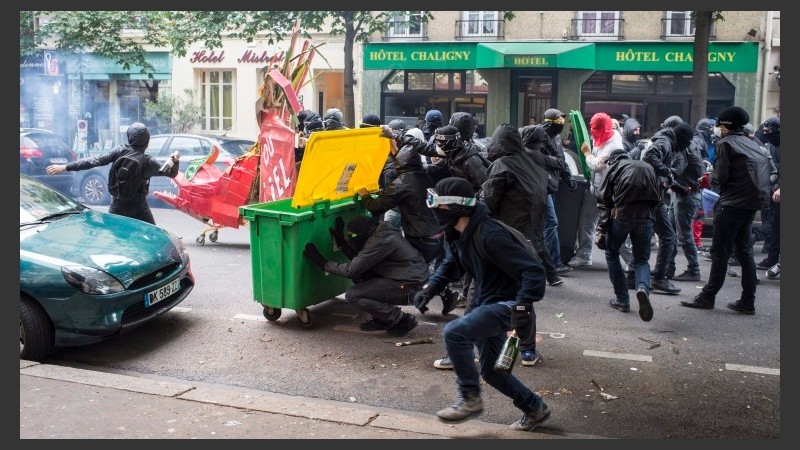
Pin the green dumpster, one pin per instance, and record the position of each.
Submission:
(336, 164)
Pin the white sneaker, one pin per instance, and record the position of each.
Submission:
(577, 261)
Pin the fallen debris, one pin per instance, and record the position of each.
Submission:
(606, 396)
(653, 344)
(418, 341)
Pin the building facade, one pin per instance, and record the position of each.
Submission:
(634, 63)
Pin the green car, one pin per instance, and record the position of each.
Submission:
(86, 276)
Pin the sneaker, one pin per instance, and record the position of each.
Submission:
(444, 363)
(466, 407)
(579, 262)
(555, 280)
(462, 301)
(619, 306)
(664, 287)
(699, 302)
(531, 420)
(687, 276)
(561, 270)
(733, 261)
(765, 263)
(449, 299)
(406, 323)
(373, 324)
(731, 273)
(739, 306)
(530, 358)
(645, 308)
(774, 271)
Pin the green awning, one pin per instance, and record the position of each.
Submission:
(564, 55)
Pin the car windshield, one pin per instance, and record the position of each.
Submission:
(38, 202)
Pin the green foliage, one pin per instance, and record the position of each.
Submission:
(174, 114)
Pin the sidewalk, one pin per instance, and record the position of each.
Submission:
(59, 402)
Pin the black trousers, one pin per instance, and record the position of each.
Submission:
(732, 228)
(380, 297)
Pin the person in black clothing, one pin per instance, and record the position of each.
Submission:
(509, 279)
(738, 158)
(136, 206)
(771, 136)
(631, 134)
(665, 143)
(387, 271)
(629, 194)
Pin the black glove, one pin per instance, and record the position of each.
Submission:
(421, 298)
(521, 320)
(678, 189)
(600, 240)
(310, 251)
(337, 232)
(572, 184)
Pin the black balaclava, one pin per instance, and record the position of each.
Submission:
(313, 122)
(138, 136)
(617, 155)
(397, 125)
(447, 138)
(371, 120)
(671, 122)
(683, 136)
(453, 186)
(505, 139)
(333, 119)
(553, 122)
(772, 131)
(705, 128)
(465, 124)
(362, 227)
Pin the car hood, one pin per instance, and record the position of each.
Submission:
(125, 248)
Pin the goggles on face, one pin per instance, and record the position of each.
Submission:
(557, 120)
(434, 200)
(445, 137)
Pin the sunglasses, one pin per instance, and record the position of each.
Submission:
(434, 200)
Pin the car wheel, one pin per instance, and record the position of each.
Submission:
(36, 337)
(94, 190)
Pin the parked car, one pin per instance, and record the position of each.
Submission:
(191, 146)
(40, 148)
(86, 276)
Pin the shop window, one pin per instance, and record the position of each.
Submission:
(679, 23)
(395, 82)
(436, 81)
(408, 24)
(476, 84)
(633, 83)
(598, 23)
(217, 97)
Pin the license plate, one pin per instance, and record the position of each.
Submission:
(58, 160)
(163, 292)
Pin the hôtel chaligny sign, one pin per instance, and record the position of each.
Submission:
(249, 56)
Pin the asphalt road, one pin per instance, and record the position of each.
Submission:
(686, 374)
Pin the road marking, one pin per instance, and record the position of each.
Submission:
(627, 356)
(250, 317)
(754, 369)
(181, 309)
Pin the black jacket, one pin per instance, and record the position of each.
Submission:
(387, 254)
(659, 155)
(465, 162)
(688, 167)
(407, 191)
(629, 191)
(511, 274)
(539, 146)
(735, 155)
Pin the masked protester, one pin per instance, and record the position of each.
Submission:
(771, 136)
(509, 279)
(333, 120)
(130, 201)
(394, 271)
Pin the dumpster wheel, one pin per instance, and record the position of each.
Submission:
(305, 318)
(272, 314)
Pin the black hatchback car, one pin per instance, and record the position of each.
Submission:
(40, 148)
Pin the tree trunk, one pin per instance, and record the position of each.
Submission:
(349, 97)
(702, 34)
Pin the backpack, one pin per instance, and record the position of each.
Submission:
(519, 237)
(759, 168)
(127, 182)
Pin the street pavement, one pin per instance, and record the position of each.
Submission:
(58, 402)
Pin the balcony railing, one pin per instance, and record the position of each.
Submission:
(677, 28)
(406, 30)
(598, 28)
(480, 29)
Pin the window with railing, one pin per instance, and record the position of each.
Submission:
(406, 25)
(598, 24)
(678, 23)
(217, 97)
(479, 24)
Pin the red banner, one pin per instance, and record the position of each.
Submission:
(278, 172)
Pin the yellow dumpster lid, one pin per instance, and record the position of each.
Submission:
(337, 163)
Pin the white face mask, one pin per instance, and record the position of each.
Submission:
(717, 132)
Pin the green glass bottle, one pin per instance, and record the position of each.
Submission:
(508, 355)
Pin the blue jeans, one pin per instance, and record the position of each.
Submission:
(485, 327)
(666, 240)
(683, 211)
(640, 232)
(550, 229)
(732, 231)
